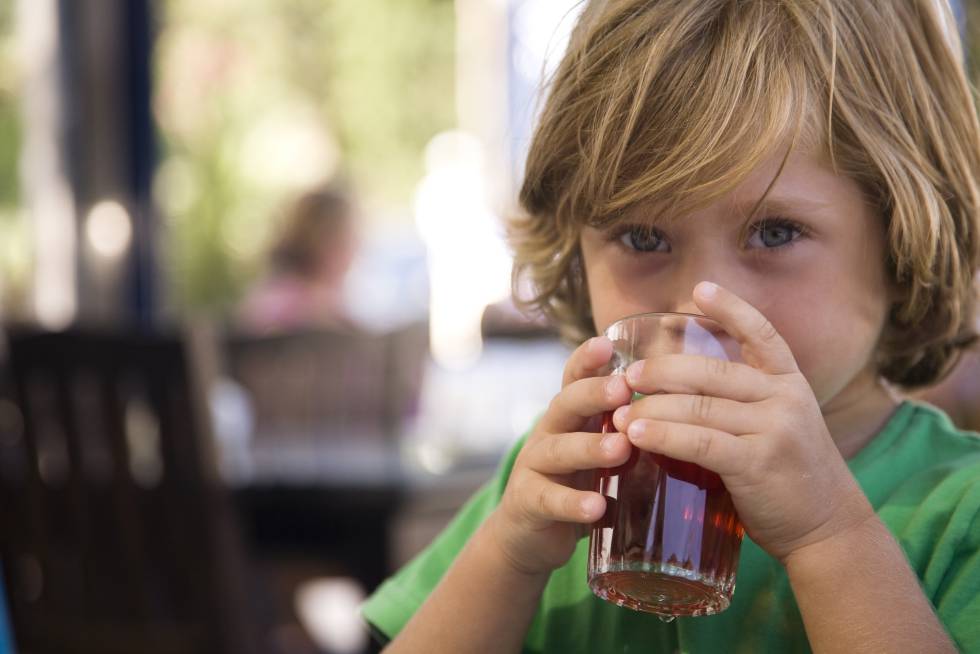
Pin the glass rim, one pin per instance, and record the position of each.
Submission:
(660, 314)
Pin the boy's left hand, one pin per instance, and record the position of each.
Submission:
(757, 424)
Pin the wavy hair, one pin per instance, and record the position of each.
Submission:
(677, 101)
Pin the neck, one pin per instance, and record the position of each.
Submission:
(856, 414)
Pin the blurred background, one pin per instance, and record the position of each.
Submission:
(253, 272)
(271, 233)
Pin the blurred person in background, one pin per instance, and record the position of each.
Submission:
(303, 285)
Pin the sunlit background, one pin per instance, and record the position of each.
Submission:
(424, 106)
(149, 152)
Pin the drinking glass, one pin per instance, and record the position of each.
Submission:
(669, 540)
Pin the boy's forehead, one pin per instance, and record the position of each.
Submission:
(802, 184)
(655, 213)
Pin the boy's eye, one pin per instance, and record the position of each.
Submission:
(774, 233)
(643, 238)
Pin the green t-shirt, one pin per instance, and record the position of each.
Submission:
(921, 474)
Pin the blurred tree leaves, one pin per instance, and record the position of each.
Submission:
(10, 131)
(972, 36)
(257, 100)
(16, 256)
(391, 86)
(374, 76)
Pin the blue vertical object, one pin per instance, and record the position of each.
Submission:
(137, 77)
(6, 641)
(127, 167)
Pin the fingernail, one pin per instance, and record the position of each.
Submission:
(707, 290)
(608, 442)
(634, 372)
(613, 387)
(635, 430)
(619, 415)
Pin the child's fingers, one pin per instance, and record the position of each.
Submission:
(587, 360)
(582, 399)
(712, 449)
(541, 499)
(699, 375)
(701, 410)
(762, 346)
(560, 454)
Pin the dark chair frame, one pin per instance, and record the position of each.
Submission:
(116, 533)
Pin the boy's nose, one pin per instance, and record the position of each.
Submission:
(687, 305)
(708, 261)
(683, 301)
(708, 264)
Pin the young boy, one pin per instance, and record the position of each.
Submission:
(806, 173)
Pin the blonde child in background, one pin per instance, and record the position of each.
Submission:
(806, 173)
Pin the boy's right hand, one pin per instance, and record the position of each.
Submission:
(548, 503)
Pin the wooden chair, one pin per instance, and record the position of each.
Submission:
(329, 385)
(116, 534)
(328, 407)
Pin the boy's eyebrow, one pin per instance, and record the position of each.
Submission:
(788, 204)
(651, 216)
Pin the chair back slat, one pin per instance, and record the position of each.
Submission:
(117, 535)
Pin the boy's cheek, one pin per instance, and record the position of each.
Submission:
(827, 374)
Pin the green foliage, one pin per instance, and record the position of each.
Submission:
(258, 99)
(10, 129)
(390, 85)
(972, 36)
(16, 255)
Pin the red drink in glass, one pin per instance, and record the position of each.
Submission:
(669, 540)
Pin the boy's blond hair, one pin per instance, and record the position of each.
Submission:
(677, 100)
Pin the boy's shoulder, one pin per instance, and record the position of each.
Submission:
(922, 473)
(930, 500)
(924, 428)
(920, 459)
(931, 424)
